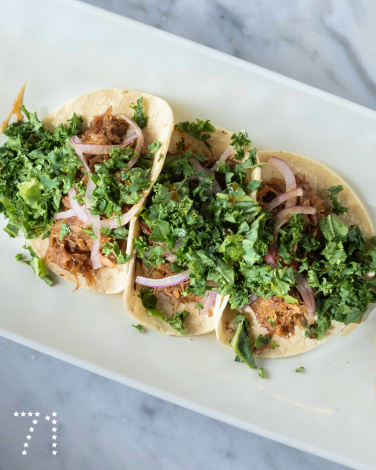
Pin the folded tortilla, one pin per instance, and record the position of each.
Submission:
(160, 125)
(320, 178)
(195, 323)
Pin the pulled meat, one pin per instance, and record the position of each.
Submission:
(105, 129)
(282, 316)
(276, 186)
(174, 292)
(72, 253)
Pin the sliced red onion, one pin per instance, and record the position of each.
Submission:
(216, 187)
(95, 256)
(252, 298)
(166, 282)
(196, 166)
(222, 158)
(284, 197)
(138, 131)
(64, 215)
(171, 258)
(98, 149)
(308, 297)
(295, 210)
(125, 218)
(80, 211)
(282, 217)
(289, 176)
(209, 299)
(75, 141)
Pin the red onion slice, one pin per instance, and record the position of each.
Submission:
(295, 210)
(64, 215)
(222, 158)
(98, 149)
(216, 187)
(125, 218)
(308, 297)
(75, 141)
(80, 211)
(166, 282)
(196, 166)
(209, 299)
(284, 197)
(140, 139)
(289, 176)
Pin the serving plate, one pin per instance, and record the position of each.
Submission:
(66, 48)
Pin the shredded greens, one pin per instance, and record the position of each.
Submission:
(224, 238)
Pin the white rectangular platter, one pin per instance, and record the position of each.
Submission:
(66, 48)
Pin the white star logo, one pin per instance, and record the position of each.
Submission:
(15, 414)
(37, 414)
(54, 421)
(23, 413)
(26, 444)
(54, 437)
(54, 429)
(24, 452)
(30, 413)
(35, 421)
(28, 437)
(54, 452)
(54, 444)
(31, 429)
(47, 417)
(54, 413)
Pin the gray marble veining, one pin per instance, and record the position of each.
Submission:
(105, 425)
(329, 44)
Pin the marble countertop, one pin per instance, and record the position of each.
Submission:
(100, 424)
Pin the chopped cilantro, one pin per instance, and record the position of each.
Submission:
(37, 168)
(274, 345)
(139, 117)
(64, 230)
(37, 265)
(200, 130)
(138, 328)
(262, 341)
(272, 323)
(198, 305)
(89, 232)
(120, 233)
(154, 146)
(338, 208)
(113, 247)
(261, 373)
(299, 369)
(240, 342)
(239, 141)
(19, 256)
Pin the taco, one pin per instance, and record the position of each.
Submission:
(170, 283)
(309, 273)
(73, 188)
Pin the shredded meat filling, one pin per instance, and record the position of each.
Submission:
(72, 253)
(174, 292)
(275, 314)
